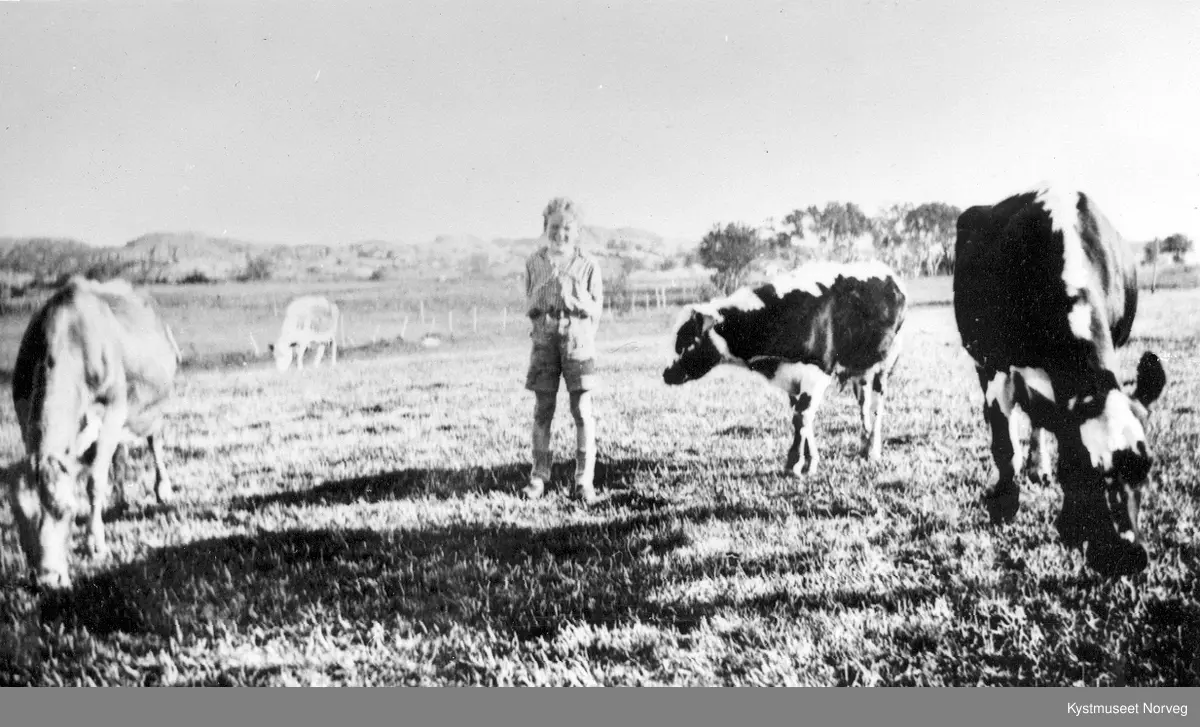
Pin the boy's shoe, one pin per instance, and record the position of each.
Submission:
(535, 488)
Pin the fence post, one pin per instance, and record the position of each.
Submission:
(422, 304)
(504, 320)
(1154, 276)
(450, 323)
(474, 319)
(404, 328)
(254, 345)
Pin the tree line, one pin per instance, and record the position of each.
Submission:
(914, 239)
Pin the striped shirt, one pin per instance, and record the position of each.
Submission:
(546, 279)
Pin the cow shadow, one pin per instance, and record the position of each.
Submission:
(529, 582)
(742, 431)
(516, 583)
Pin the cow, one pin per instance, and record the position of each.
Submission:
(800, 331)
(95, 367)
(1045, 290)
(309, 320)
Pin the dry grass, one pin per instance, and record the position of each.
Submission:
(359, 526)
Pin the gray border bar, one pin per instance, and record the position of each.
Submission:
(1005, 707)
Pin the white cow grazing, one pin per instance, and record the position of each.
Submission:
(96, 366)
(309, 320)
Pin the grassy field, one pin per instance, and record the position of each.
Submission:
(358, 525)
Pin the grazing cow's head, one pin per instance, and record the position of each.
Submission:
(1104, 461)
(283, 355)
(42, 491)
(698, 347)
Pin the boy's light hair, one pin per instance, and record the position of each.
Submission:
(562, 206)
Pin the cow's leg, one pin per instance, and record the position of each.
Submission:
(1039, 455)
(333, 351)
(163, 491)
(320, 355)
(98, 482)
(121, 472)
(879, 389)
(804, 453)
(1003, 499)
(863, 395)
(869, 390)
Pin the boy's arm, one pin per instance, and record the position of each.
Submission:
(529, 311)
(595, 289)
(587, 298)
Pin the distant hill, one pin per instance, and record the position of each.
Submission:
(171, 257)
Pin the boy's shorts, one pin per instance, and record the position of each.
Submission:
(562, 348)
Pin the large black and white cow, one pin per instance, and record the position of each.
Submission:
(96, 366)
(1045, 290)
(801, 330)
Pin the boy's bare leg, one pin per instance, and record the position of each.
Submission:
(585, 445)
(543, 416)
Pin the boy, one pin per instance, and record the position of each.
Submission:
(565, 300)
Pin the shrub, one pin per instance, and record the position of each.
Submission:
(258, 268)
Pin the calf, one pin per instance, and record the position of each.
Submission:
(310, 320)
(1045, 290)
(800, 331)
(96, 365)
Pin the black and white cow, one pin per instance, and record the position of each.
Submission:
(1045, 290)
(800, 331)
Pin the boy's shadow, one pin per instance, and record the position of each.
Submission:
(613, 478)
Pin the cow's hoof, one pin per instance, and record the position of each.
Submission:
(1114, 558)
(586, 495)
(97, 549)
(164, 494)
(799, 470)
(1070, 533)
(50, 581)
(1002, 505)
(535, 489)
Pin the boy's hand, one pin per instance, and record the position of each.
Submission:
(576, 300)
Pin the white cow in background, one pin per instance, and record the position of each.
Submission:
(311, 320)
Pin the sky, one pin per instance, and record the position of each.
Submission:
(335, 122)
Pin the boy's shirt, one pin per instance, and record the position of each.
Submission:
(546, 278)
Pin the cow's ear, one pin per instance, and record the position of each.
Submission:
(271, 348)
(1151, 379)
(705, 316)
(1038, 405)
